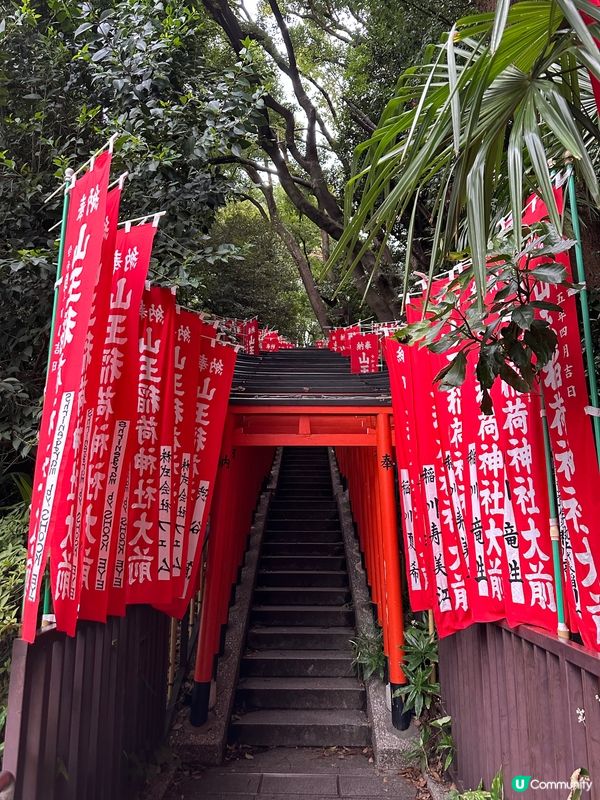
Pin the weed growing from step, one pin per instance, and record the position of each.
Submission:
(369, 658)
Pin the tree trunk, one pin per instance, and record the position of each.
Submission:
(316, 301)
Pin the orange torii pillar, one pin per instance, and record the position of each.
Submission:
(393, 625)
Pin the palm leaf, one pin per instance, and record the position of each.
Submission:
(493, 103)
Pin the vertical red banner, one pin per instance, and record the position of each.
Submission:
(217, 363)
(364, 353)
(575, 463)
(188, 344)
(57, 448)
(251, 337)
(148, 552)
(414, 526)
(113, 431)
(68, 562)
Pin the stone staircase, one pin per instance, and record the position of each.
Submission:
(297, 686)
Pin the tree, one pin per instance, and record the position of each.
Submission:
(295, 155)
(498, 103)
(494, 104)
(263, 282)
(70, 76)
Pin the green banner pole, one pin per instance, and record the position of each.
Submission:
(562, 630)
(585, 312)
(47, 601)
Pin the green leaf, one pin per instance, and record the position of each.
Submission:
(544, 305)
(523, 316)
(542, 340)
(550, 273)
(85, 26)
(508, 375)
(101, 54)
(445, 343)
(454, 374)
(487, 367)
(453, 85)
(500, 17)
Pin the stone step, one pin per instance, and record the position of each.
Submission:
(300, 638)
(304, 484)
(293, 496)
(295, 562)
(305, 514)
(303, 728)
(290, 548)
(303, 578)
(302, 615)
(297, 663)
(302, 595)
(335, 537)
(300, 693)
(302, 505)
(292, 524)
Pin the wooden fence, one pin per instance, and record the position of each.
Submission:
(523, 701)
(85, 712)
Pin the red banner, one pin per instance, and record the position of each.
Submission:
(485, 489)
(414, 529)
(113, 433)
(270, 342)
(57, 449)
(188, 344)
(364, 353)
(217, 363)
(67, 556)
(574, 453)
(148, 569)
(251, 337)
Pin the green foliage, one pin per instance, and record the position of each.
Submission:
(477, 124)
(510, 343)
(394, 36)
(369, 658)
(495, 792)
(434, 750)
(70, 76)
(420, 657)
(13, 534)
(262, 281)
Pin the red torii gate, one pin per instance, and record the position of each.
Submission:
(357, 422)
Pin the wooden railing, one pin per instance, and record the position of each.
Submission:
(524, 702)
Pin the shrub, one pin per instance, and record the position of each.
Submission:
(13, 535)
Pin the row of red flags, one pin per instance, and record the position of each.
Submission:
(474, 489)
(254, 340)
(126, 463)
(363, 347)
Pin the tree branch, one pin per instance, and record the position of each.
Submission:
(339, 34)
(246, 162)
(255, 203)
(365, 122)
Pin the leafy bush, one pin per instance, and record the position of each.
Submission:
(434, 748)
(420, 657)
(13, 533)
